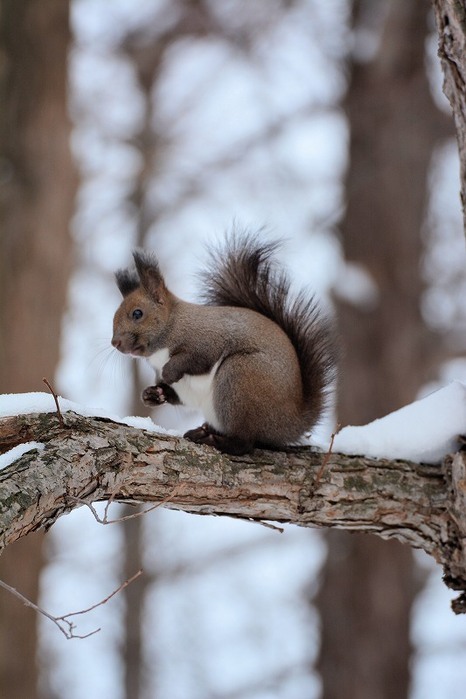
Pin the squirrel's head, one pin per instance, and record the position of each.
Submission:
(142, 316)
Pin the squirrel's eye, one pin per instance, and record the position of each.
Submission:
(137, 314)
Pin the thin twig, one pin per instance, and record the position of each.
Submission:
(64, 623)
(268, 525)
(262, 522)
(105, 520)
(325, 460)
(104, 601)
(140, 513)
(55, 398)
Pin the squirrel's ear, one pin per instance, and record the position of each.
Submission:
(149, 273)
(127, 281)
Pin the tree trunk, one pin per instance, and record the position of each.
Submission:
(38, 186)
(450, 16)
(368, 586)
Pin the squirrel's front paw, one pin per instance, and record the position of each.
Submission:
(153, 395)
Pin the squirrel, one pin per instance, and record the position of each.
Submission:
(257, 362)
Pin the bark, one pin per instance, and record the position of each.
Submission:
(92, 459)
(450, 17)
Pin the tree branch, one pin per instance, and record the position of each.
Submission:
(95, 459)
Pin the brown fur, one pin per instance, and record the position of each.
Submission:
(275, 356)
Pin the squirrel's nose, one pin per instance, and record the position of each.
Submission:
(116, 342)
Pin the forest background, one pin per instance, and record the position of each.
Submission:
(150, 123)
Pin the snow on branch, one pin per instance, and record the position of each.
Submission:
(88, 459)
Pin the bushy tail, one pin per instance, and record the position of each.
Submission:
(244, 273)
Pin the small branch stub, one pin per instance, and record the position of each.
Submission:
(55, 398)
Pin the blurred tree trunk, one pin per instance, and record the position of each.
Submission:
(147, 58)
(148, 55)
(135, 600)
(368, 585)
(36, 200)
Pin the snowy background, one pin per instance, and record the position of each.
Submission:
(235, 139)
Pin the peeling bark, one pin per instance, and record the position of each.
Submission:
(94, 459)
(450, 17)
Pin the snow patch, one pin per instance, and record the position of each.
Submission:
(37, 402)
(423, 431)
(13, 454)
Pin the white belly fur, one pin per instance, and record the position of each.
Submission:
(158, 361)
(193, 391)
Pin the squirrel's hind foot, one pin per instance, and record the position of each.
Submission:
(228, 445)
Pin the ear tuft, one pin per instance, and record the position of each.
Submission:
(127, 281)
(150, 276)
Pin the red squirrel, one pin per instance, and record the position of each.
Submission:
(255, 361)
